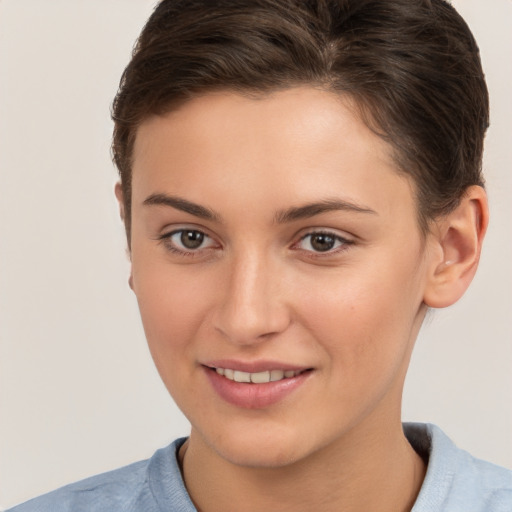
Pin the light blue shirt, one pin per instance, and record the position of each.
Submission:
(455, 482)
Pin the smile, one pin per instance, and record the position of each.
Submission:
(256, 389)
(258, 377)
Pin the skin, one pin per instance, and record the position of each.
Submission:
(257, 289)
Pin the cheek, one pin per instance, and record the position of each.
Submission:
(173, 305)
(364, 328)
(364, 317)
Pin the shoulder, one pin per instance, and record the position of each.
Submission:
(127, 489)
(455, 480)
(109, 491)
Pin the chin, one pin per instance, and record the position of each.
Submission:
(257, 449)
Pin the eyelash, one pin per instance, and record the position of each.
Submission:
(344, 243)
(166, 239)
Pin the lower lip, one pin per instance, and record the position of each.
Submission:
(254, 396)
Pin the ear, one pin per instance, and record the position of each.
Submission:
(120, 200)
(454, 249)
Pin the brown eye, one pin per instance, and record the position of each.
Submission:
(191, 239)
(322, 242)
(187, 241)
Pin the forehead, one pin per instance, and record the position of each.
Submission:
(304, 114)
(292, 145)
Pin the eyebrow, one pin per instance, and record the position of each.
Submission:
(312, 209)
(282, 217)
(183, 205)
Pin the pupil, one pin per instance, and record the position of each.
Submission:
(322, 243)
(192, 239)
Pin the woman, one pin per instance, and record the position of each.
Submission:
(300, 182)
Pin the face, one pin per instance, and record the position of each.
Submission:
(279, 270)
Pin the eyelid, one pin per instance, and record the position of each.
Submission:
(320, 230)
(166, 239)
(172, 229)
(346, 241)
(343, 240)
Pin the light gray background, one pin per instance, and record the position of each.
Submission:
(78, 392)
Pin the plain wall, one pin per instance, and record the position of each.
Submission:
(78, 391)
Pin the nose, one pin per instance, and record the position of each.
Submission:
(252, 308)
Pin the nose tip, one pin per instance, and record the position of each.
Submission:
(252, 308)
(248, 325)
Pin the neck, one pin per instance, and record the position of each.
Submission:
(381, 473)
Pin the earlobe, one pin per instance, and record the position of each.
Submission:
(457, 240)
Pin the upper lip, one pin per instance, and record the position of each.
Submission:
(254, 366)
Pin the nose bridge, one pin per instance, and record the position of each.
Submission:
(252, 307)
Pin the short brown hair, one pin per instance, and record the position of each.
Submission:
(412, 67)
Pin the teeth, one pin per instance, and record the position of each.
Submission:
(260, 378)
(242, 376)
(257, 378)
(276, 375)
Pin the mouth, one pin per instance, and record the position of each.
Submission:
(258, 377)
(255, 386)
